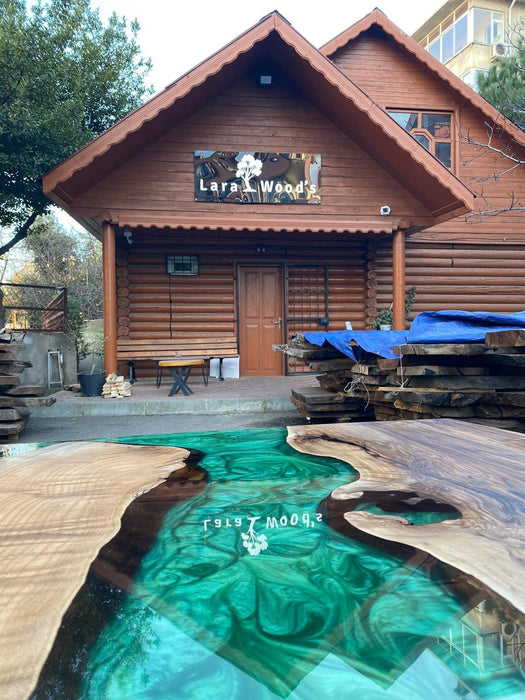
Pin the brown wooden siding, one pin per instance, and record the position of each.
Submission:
(207, 303)
(159, 180)
(407, 84)
(468, 278)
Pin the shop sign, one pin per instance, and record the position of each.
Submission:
(257, 178)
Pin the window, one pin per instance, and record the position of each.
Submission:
(471, 78)
(488, 26)
(461, 28)
(182, 264)
(451, 40)
(433, 130)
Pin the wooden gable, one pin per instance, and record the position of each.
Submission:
(414, 80)
(156, 186)
(119, 177)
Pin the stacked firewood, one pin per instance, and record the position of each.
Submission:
(116, 387)
(478, 382)
(16, 398)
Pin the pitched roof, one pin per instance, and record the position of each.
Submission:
(379, 19)
(326, 86)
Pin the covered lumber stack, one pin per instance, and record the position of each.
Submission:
(478, 382)
(16, 398)
(328, 402)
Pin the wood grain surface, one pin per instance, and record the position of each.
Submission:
(58, 506)
(476, 469)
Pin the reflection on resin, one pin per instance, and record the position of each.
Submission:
(242, 589)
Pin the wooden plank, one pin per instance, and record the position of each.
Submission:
(514, 338)
(508, 398)
(328, 409)
(12, 427)
(9, 380)
(7, 414)
(371, 370)
(58, 506)
(13, 367)
(496, 358)
(441, 370)
(386, 363)
(339, 363)
(430, 397)
(26, 401)
(477, 469)
(468, 349)
(25, 390)
(461, 383)
(314, 395)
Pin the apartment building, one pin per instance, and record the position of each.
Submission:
(468, 36)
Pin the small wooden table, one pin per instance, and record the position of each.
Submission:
(180, 371)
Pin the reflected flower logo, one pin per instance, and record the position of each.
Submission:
(253, 542)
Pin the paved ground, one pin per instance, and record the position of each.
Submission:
(229, 405)
(93, 427)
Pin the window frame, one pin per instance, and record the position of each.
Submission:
(438, 40)
(433, 42)
(493, 37)
(422, 131)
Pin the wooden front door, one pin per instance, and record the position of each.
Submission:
(260, 320)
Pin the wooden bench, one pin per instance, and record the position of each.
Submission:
(176, 349)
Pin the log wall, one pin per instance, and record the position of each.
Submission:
(153, 304)
(457, 276)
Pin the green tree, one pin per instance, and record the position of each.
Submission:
(504, 84)
(65, 77)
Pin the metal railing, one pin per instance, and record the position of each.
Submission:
(36, 307)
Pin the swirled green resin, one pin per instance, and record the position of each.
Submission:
(248, 593)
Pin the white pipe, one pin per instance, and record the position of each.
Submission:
(510, 21)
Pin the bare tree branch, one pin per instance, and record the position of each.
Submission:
(21, 233)
(513, 206)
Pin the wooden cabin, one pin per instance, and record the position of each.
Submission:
(277, 188)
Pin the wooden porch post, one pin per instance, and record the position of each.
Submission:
(398, 281)
(109, 285)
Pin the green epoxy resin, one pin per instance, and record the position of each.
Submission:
(247, 594)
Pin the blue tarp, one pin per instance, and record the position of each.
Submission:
(427, 327)
(378, 342)
(461, 326)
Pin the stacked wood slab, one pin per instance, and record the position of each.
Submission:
(479, 382)
(16, 398)
(482, 382)
(328, 402)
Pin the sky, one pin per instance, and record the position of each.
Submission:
(179, 34)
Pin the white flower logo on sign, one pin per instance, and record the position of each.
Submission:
(247, 168)
(253, 542)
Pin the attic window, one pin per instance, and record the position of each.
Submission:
(433, 130)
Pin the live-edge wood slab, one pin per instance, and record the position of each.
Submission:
(58, 506)
(478, 470)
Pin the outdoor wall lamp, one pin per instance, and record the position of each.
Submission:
(128, 235)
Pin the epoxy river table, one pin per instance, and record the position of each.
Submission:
(60, 504)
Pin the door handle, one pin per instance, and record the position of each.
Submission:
(278, 323)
